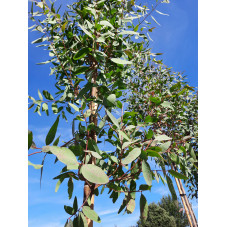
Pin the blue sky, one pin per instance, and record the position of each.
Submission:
(177, 39)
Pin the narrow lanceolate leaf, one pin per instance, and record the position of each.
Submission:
(94, 174)
(129, 33)
(162, 137)
(30, 138)
(70, 188)
(75, 204)
(171, 188)
(83, 221)
(152, 153)
(143, 208)
(177, 175)
(147, 172)
(81, 53)
(69, 210)
(69, 223)
(106, 23)
(131, 205)
(85, 31)
(123, 135)
(40, 95)
(41, 170)
(94, 154)
(121, 61)
(87, 113)
(64, 155)
(113, 119)
(165, 146)
(52, 132)
(133, 154)
(34, 165)
(58, 184)
(91, 214)
(74, 107)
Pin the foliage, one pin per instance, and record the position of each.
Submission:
(95, 53)
(157, 217)
(165, 100)
(175, 209)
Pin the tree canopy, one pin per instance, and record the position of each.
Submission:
(98, 50)
(175, 209)
(157, 217)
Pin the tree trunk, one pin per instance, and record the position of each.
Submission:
(89, 191)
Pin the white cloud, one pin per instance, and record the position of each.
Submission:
(105, 212)
(162, 190)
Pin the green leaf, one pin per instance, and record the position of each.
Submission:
(106, 23)
(171, 188)
(144, 187)
(120, 61)
(69, 223)
(75, 204)
(85, 30)
(52, 132)
(55, 143)
(63, 26)
(155, 100)
(131, 205)
(35, 165)
(147, 172)
(91, 214)
(80, 70)
(58, 184)
(112, 98)
(102, 122)
(113, 119)
(143, 208)
(133, 154)
(167, 105)
(162, 137)
(165, 146)
(74, 107)
(81, 53)
(94, 174)
(47, 95)
(121, 133)
(154, 20)
(148, 119)
(95, 154)
(153, 153)
(30, 139)
(40, 95)
(70, 187)
(87, 113)
(177, 175)
(69, 210)
(129, 33)
(83, 221)
(64, 155)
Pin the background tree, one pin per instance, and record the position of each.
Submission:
(175, 209)
(164, 98)
(157, 217)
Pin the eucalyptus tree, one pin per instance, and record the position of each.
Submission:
(95, 48)
(164, 98)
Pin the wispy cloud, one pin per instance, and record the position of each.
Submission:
(162, 190)
(105, 212)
